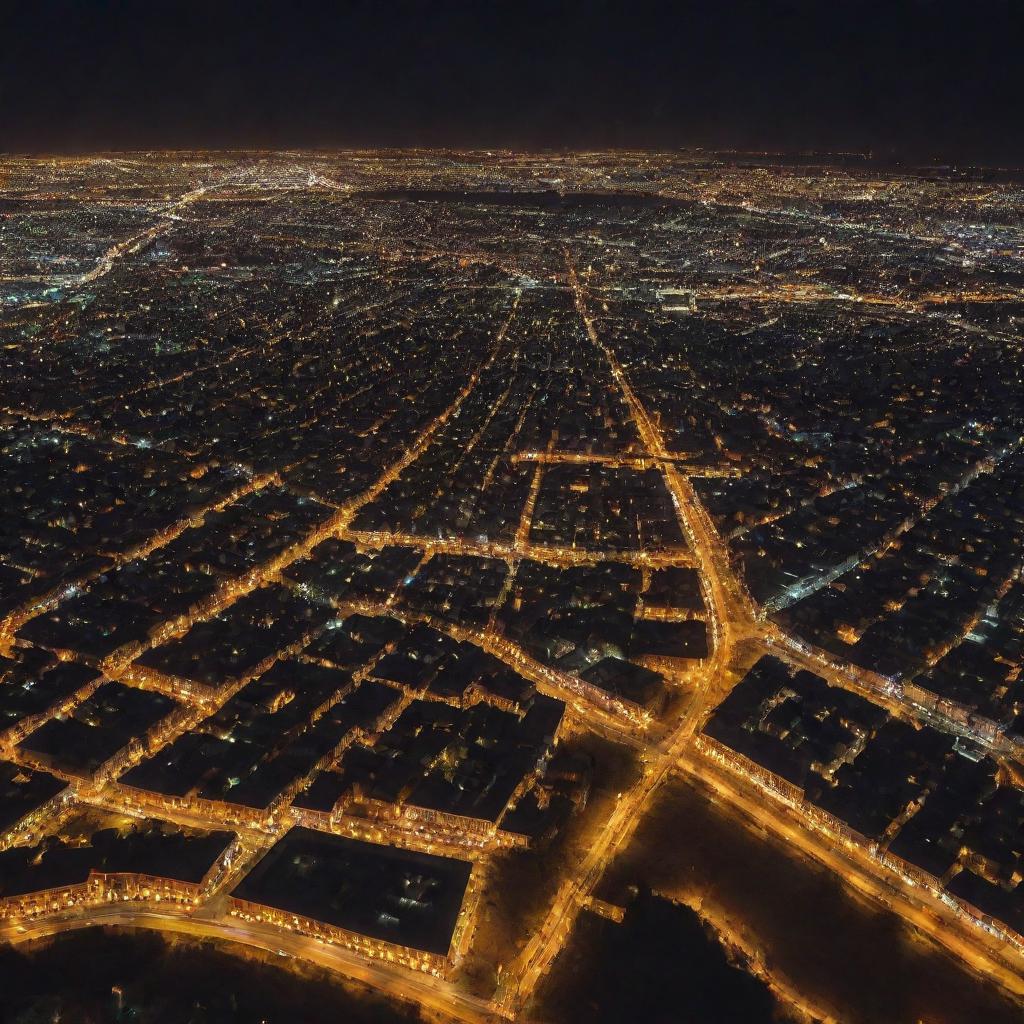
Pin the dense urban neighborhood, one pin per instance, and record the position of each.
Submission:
(385, 532)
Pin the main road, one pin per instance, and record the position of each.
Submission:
(724, 604)
(425, 990)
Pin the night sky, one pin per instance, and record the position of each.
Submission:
(915, 79)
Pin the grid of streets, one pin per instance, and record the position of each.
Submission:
(384, 529)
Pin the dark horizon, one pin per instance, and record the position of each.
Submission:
(916, 81)
(778, 157)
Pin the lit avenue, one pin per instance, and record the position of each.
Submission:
(386, 533)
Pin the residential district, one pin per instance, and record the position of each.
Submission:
(383, 530)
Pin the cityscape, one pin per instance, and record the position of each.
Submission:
(410, 557)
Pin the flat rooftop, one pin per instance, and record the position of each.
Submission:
(399, 896)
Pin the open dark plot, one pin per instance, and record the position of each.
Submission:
(873, 970)
(661, 964)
